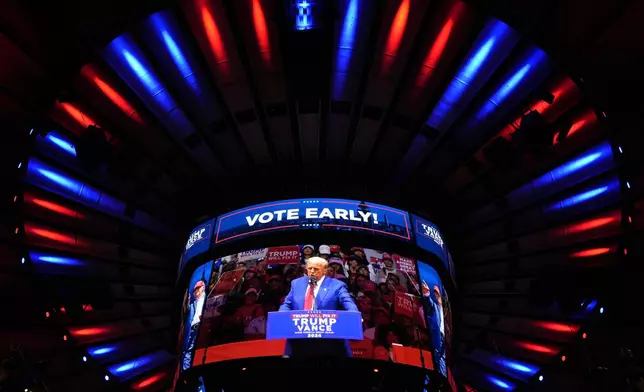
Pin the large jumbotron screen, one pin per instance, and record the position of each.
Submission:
(402, 301)
(227, 301)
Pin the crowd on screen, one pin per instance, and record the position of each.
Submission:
(242, 290)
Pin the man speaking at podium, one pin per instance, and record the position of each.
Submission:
(316, 291)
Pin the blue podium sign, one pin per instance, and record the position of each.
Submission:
(314, 324)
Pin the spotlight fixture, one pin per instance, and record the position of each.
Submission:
(84, 358)
(584, 335)
(563, 358)
(601, 310)
(107, 378)
(540, 377)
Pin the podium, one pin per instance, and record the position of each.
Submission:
(314, 324)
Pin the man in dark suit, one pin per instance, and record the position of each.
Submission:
(316, 291)
(433, 309)
(194, 321)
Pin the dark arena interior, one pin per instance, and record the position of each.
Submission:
(170, 167)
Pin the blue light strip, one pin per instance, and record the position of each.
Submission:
(608, 187)
(61, 143)
(591, 306)
(591, 162)
(45, 258)
(580, 198)
(136, 366)
(130, 365)
(348, 35)
(100, 350)
(53, 180)
(344, 51)
(57, 181)
(517, 366)
(124, 48)
(535, 60)
(491, 46)
(162, 24)
(505, 385)
(592, 159)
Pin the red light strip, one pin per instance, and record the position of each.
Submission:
(436, 50)
(589, 118)
(91, 331)
(51, 235)
(90, 74)
(593, 223)
(556, 327)
(146, 382)
(396, 33)
(57, 208)
(562, 90)
(261, 30)
(590, 252)
(213, 35)
(537, 347)
(81, 118)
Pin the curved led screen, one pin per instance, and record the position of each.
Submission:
(402, 315)
(297, 214)
(316, 214)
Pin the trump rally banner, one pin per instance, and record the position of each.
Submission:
(306, 324)
(319, 214)
(283, 255)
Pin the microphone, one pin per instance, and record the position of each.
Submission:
(312, 280)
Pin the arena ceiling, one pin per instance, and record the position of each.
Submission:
(512, 124)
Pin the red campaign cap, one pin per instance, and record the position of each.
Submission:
(199, 284)
(386, 256)
(335, 249)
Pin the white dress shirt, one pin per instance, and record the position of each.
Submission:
(198, 309)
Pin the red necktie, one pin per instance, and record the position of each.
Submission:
(308, 300)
